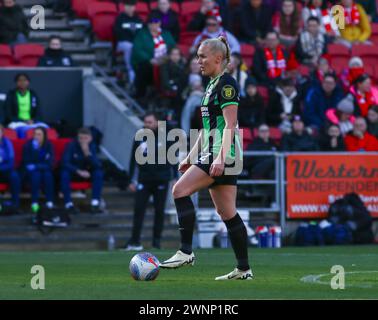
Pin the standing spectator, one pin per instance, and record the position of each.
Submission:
(319, 99)
(359, 139)
(311, 44)
(287, 23)
(37, 164)
(332, 139)
(125, 28)
(7, 172)
(235, 68)
(169, 18)
(149, 179)
(365, 94)
(14, 27)
(255, 21)
(372, 119)
(80, 163)
(350, 74)
(54, 55)
(150, 49)
(343, 116)
(370, 7)
(209, 8)
(299, 139)
(284, 103)
(251, 112)
(269, 63)
(357, 26)
(213, 29)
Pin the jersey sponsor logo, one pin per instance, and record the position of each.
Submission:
(205, 111)
(228, 92)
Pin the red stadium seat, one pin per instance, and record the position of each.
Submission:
(18, 144)
(338, 54)
(6, 56)
(80, 7)
(10, 134)
(51, 134)
(247, 137)
(304, 70)
(59, 146)
(264, 93)
(102, 16)
(82, 185)
(187, 37)
(374, 33)
(369, 54)
(184, 48)
(188, 11)
(247, 51)
(142, 10)
(28, 54)
(275, 133)
(174, 6)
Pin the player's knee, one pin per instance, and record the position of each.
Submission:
(178, 191)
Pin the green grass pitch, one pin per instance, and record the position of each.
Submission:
(278, 274)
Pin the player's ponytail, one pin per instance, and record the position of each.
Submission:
(227, 54)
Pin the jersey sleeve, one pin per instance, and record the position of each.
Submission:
(228, 92)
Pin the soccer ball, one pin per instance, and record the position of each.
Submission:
(144, 266)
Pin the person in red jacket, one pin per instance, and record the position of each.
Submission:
(359, 139)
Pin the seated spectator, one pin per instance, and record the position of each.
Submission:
(169, 18)
(370, 7)
(284, 104)
(80, 163)
(125, 28)
(311, 44)
(342, 115)
(287, 23)
(292, 72)
(321, 69)
(209, 8)
(359, 139)
(319, 99)
(213, 29)
(357, 27)
(193, 75)
(14, 27)
(236, 70)
(150, 49)
(269, 62)
(350, 74)
(255, 21)
(37, 166)
(251, 111)
(299, 139)
(365, 94)
(54, 55)
(319, 10)
(372, 119)
(332, 139)
(22, 106)
(7, 172)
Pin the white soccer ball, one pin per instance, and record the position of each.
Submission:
(144, 266)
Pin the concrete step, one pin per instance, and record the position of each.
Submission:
(57, 24)
(44, 35)
(48, 12)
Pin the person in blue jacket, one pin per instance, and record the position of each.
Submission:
(8, 174)
(38, 160)
(80, 163)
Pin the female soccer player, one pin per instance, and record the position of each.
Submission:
(219, 148)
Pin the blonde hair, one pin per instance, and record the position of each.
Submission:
(219, 44)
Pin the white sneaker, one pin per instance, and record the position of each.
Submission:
(237, 274)
(178, 260)
(134, 248)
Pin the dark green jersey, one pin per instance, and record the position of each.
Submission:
(220, 92)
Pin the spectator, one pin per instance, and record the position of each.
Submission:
(269, 63)
(372, 119)
(7, 172)
(332, 139)
(312, 44)
(209, 8)
(54, 55)
(213, 29)
(357, 27)
(193, 75)
(322, 68)
(292, 72)
(169, 18)
(125, 29)
(342, 116)
(299, 139)
(359, 139)
(235, 68)
(350, 74)
(37, 165)
(150, 50)
(365, 94)
(252, 107)
(284, 103)
(319, 99)
(255, 21)
(287, 23)
(13, 23)
(80, 163)
(370, 7)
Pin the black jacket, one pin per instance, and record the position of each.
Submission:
(12, 22)
(275, 108)
(325, 143)
(11, 106)
(125, 27)
(251, 111)
(295, 142)
(55, 58)
(170, 23)
(172, 77)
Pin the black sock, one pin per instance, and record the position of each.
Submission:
(239, 240)
(186, 217)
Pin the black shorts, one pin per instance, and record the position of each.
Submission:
(204, 162)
